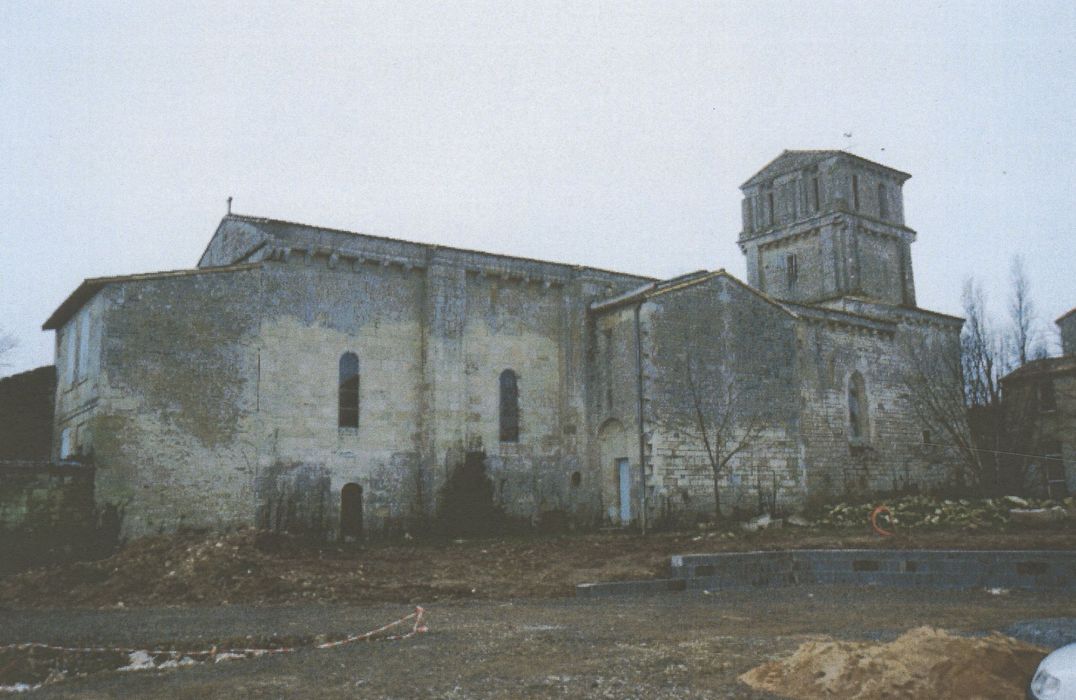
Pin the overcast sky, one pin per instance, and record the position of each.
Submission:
(607, 134)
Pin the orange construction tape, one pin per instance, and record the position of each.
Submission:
(419, 627)
(874, 521)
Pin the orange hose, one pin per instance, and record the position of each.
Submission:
(874, 521)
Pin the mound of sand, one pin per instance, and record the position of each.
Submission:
(922, 663)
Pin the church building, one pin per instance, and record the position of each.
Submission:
(354, 384)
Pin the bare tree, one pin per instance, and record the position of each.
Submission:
(8, 343)
(1002, 430)
(725, 428)
(957, 391)
(935, 381)
(981, 350)
(1023, 335)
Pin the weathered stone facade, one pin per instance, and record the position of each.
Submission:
(823, 225)
(1042, 397)
(38, 496)
(212, 397)
(1067, 325)
(48, 514)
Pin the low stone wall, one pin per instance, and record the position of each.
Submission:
(39, 495)
(47, 514)
(1035, 570)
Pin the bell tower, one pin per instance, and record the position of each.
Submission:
(819, 226)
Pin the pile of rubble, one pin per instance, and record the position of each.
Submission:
(971, 514)
(921, 663)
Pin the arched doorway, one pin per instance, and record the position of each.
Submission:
(351, 511)
(614, 453)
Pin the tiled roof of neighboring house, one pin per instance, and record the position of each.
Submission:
(790, 161)
(1065, 315)
(1039, 368)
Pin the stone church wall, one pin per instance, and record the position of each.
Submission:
(210, 397)
(895, 454)
(612, 405)
(880, 267)
(78, 381)
(312, 314)
(711, 334)
(728, 342)
(216, 396)
(176, 411)
(518, 325)
(813, 276)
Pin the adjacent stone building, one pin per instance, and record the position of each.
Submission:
(341, 382)
(1066, 325)
(1041, 398)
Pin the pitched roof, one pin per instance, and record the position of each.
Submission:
(1065, 315)
(299, 234)
(814, 312)
(289, 233)
(791, 161)
(895, 309)
(674, 284)
(89, 287)
(1045, 366)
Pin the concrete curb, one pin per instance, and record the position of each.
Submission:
(906, 568)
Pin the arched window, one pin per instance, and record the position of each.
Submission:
(349, 391)
(509, 407)
(857, 406)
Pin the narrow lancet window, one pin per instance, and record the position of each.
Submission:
(509, 406)
(857, 407)
(349, 391)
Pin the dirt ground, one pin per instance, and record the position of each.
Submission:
(669, 646)
(502, 622)
(207, 570)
